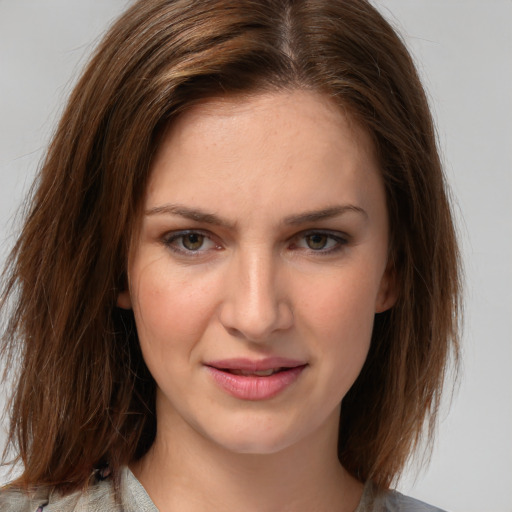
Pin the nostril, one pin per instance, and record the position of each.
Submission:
(234, 332)
(253, 306)
(258, 328)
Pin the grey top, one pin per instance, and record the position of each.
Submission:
(100, 498)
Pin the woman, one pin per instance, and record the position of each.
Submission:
(237, 286)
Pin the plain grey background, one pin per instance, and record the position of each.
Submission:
(464, 52)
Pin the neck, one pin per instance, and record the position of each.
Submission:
(187, 472)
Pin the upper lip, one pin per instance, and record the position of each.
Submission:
(252, 365)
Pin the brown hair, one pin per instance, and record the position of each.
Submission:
(84, 396)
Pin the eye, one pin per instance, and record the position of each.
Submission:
(189, 242)
(317, 241)
(320, 242)
(193, 241)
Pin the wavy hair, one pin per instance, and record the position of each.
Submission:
(84, 397)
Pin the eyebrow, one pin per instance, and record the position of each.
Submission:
(323, 214)
(199, 215)
(190, 213)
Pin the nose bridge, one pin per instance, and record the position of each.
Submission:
(257, 271)
(254, 305)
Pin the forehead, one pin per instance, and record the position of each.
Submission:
(285, 147)
(285, 106)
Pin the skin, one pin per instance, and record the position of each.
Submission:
(268, 280)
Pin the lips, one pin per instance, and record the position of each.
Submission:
(259, 373)
(255, 380)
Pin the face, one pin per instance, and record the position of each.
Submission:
(260, 264)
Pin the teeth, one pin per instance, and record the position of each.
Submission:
(258, 373)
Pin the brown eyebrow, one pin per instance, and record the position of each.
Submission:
(190, 213)
(326, 213)
(199, 215)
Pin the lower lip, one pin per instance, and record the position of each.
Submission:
(251, 387)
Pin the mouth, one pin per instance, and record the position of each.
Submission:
(253, 367)
(255, 380)
(257, 373)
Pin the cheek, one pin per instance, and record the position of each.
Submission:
(339, 317)
(171, 310)
(342, 303)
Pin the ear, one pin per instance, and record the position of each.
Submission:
(388, 290)
(124, 300)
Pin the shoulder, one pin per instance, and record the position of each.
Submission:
(96, 498)
(398, 502)
(374, 500)
(13, 500)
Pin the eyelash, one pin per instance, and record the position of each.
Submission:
(170, 242)
(170, 239)
(339, 239)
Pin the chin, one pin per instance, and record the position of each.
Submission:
(254, 446)
(261, 438)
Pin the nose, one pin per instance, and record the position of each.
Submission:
(255, 305)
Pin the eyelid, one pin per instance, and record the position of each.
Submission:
(341, 238)
(170, 237)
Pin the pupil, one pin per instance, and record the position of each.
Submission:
(317, 241)
(193, 241)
